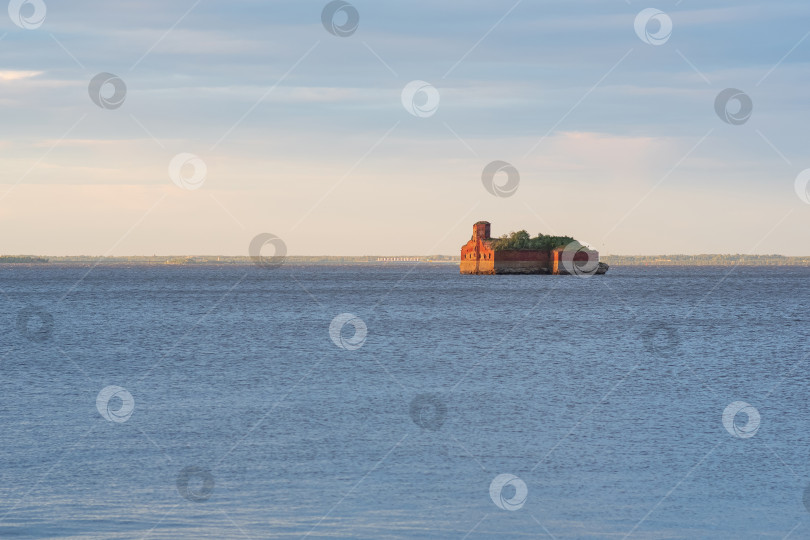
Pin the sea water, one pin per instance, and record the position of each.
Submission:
(403, 402)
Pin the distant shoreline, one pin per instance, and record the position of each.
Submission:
(613, 260)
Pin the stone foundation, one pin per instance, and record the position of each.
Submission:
(478, 267)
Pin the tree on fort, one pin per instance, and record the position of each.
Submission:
(522, 240)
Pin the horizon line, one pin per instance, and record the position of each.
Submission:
(411, 256)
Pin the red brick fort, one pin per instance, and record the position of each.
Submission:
(479, 256)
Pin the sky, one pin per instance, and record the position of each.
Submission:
(233, 119)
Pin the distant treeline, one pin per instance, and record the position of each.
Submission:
(613, 260)
(705, 260)
(220, 259)
(7, 259)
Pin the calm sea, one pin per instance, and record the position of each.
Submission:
(214, 402)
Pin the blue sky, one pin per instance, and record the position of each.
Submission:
(304, 135)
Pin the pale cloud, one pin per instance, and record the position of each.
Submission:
(8, 75)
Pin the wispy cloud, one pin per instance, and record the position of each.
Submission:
(8, 75)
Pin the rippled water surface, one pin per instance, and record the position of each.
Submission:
(604, 397)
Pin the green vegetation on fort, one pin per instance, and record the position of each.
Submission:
(522, 240)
